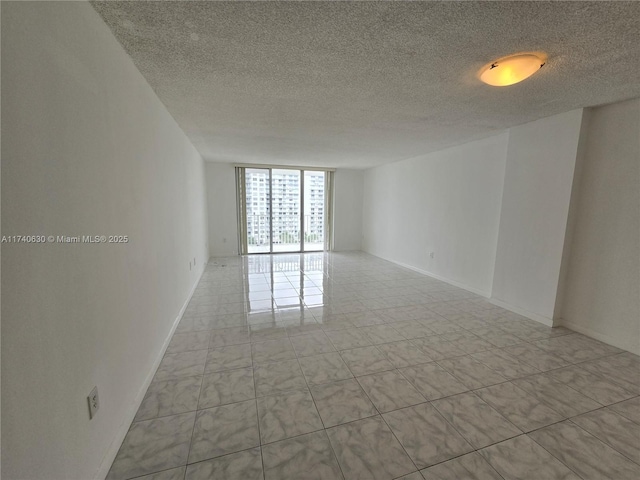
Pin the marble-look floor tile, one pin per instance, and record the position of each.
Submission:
(312, 344)
(350, 306)
(264, 331)
(193, 324)
(470, 372)
(272, 351)
(332, 323)
(266, 305)
(618, 432)
(296, 330)
(228, 321)
(404, 354)
(629, 409)
(468, 467)
(575, 348)
(365, 360)
(245, 465)
(438, 349)
(365, 319)
(390, 390)
(425, 435)
(185, 364)
(503, 340)
(295, 318)
(226, 429)
(278, 377)
(170, 397)
(154, 445)
(368, 450)
(467, 341)
(530, 376)
(517, 406)
(324, 368)
(378, 334)
(497, 337)
(504, 364)
(342, 402)
(307, 456)
(227, 309)
(459, 336)
(584, 453)
(440, 326)
(185, 342)
(622, 369)
(287, 415)
(225, 387)
(591, 385)
(201, 310)
(521, 458)
(412, 329)
(348, 338)
(229, 336)
(433, 381)
(228, 358)
(173, 474)
(478, 423)
(535, 357)
(412, 476)
(527, 331)
(257, 296)
(555, 395)
(534, 329)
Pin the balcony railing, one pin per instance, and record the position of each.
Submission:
(286, 230)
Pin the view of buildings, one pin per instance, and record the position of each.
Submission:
(286, 206)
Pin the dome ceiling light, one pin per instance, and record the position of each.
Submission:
(512, 69)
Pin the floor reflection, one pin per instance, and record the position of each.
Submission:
(285, 285)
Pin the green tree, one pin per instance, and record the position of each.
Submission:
(286, 237)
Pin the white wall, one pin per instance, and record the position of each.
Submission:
(602, 296)
(221, 196)
(448, 203)
(88, 150)
(557, 241)
(541, 159)
(347, 209)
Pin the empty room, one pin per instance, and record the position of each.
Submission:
(283, 240)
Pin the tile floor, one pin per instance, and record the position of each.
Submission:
(344, 366)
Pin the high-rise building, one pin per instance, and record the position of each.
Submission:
(286, 206)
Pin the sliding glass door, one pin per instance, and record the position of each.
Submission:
(283, 210)
(314, 211)
(287, 203)
(258, 209)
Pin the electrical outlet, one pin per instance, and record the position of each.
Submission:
(194, 261)
(94, 402)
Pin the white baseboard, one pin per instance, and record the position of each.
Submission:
(437, 277)
(525, 313)
(624, 345)
(627, 345)
(533, 316)
(112, 451)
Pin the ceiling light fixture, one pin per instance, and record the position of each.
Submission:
(512, 69)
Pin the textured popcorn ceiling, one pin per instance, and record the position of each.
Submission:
(357, 84)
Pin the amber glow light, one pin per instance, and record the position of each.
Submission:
(513, 69)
